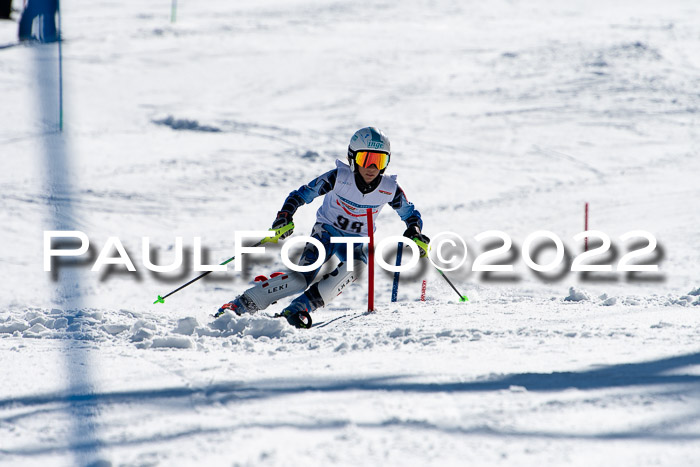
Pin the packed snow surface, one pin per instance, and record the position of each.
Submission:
(503, 115)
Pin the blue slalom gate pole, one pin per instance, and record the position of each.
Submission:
(395, 287)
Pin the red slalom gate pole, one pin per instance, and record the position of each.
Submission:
(422, 290)
(585, 227)
(370, 261)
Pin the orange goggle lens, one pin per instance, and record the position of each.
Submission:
(368, 159)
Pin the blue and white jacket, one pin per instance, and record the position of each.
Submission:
(345, 205)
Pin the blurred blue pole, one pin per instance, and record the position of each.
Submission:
(60, 69)
(82, 408)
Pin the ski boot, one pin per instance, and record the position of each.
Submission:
(297, 317)
(239, 305)
(242, 303)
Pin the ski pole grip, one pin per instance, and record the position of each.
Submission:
(278, 233)
(423, 245)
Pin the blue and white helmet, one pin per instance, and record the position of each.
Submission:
(368, 139)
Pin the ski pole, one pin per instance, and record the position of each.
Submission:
(274, 238)
(462, 298)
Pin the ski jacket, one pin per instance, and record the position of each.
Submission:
(345, 206)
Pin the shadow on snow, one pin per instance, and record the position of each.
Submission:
(650, 373)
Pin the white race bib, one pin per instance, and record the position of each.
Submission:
(345, 207)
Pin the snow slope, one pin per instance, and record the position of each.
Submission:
(502, 115)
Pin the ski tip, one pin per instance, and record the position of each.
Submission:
(159, 300)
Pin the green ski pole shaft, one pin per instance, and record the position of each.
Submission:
(161, 299)
(274, 238)
(425, 247)
(462, 298)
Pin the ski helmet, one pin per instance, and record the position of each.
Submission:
(369, 139)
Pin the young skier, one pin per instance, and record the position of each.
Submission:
(349, 191)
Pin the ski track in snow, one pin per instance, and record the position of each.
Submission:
(146, 330)
(501, 116)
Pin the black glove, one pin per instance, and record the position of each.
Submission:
(414, 233)
(283, 218)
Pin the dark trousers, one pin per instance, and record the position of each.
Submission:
(5, 9)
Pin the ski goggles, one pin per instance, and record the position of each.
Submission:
(367, 159)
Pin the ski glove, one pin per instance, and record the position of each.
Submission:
(414, 233)
(283, 218)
